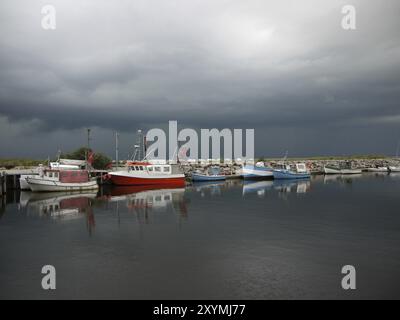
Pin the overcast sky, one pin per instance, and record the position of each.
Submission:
(285, 68)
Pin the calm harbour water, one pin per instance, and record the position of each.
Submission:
(229, 240)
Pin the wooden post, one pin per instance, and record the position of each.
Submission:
(4, 179)
(2, 191)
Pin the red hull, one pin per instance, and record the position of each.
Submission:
(130, 181)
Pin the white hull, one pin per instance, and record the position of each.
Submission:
(256, 172)
(42, 185)
(350, 171)
(394, 169)
(341, 171)
(331, 171)
(23, 184)
(379, 169)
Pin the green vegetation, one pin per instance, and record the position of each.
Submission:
(100, 160)
(12, 163)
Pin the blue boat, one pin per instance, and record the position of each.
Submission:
(212, 175)
(206, 177)
(258, 171)
(286, 173)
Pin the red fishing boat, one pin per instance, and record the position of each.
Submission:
(146, 173)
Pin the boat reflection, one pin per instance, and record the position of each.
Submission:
(292, 186)
(282, 186)
(258, 187)
(213, 188)
(142, 200)
(60, 205)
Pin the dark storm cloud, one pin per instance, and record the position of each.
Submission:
(284, 68)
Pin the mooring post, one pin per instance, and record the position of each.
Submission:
(4, 182)
(1, 184)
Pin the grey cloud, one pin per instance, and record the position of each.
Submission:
(286, 68)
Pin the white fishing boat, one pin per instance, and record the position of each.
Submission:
(61, 180)
(70, 164)
(257, 171)
(300, 171)
(331, 170)
(347, 169)
(394, 169)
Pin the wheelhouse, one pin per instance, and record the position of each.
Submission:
(67, 176)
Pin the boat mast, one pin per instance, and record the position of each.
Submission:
(140, 145)
(116, 150)
(87, 148)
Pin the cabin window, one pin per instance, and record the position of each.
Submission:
(50, 174)
(166, 169)
(141, 168)
(167, 198)
(157, 198)
(136, 168)
(158, 169)
(150, 168)
(55, 174)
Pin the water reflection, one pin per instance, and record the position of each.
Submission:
(143, 200)
(282, 186)
(259, 187)
(62, 206)
(213, 188)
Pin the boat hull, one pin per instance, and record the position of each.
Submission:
(394, 169)
(43, 185)
(286, 174)
(350, 171)
(203, 177)
(331, 171)
(23, 183)
(253, 172)
(380, 169)
(128, 180)
(341, 171)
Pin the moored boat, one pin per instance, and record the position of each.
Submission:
(257, 171)
(61, 180)
(344, 169)
(331, 170)
(300, 172)
(145, 173)
(64, 164)
(394, 169)
(213, 174)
